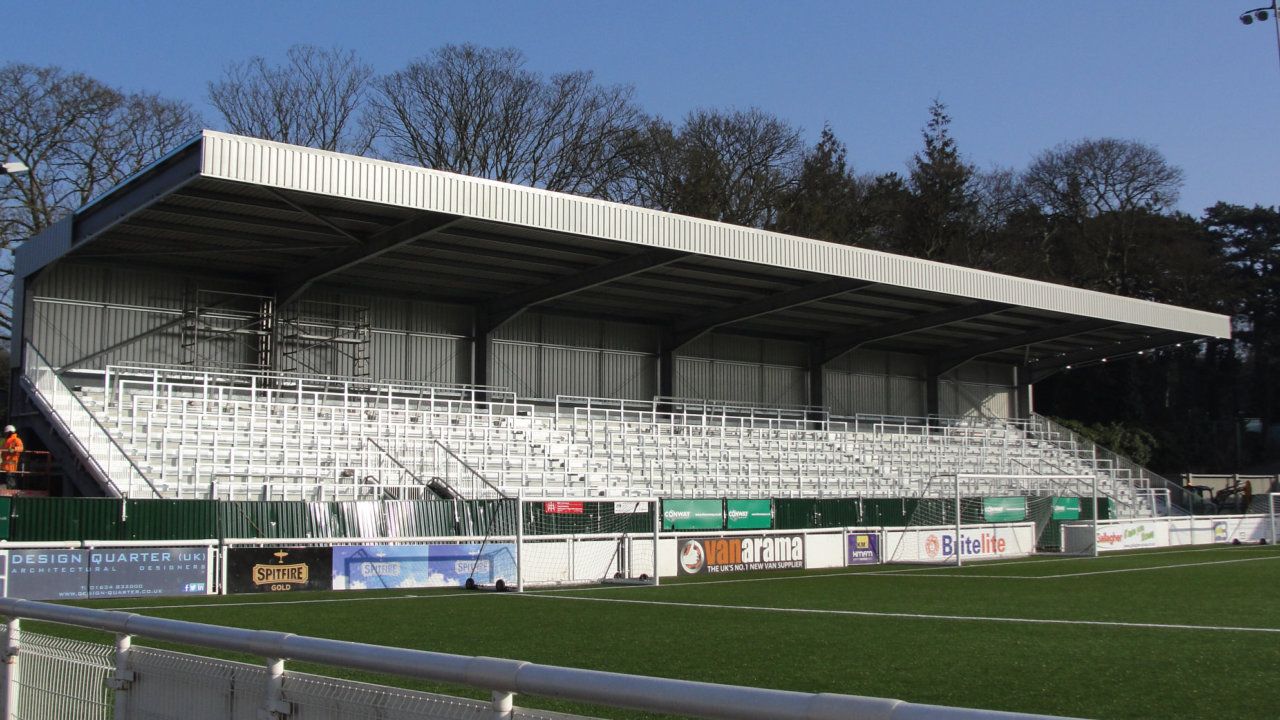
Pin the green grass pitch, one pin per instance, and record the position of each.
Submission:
(1180, 633)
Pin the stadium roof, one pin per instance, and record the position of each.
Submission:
(292, 218)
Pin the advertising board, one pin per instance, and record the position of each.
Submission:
(938, 544)
(1133, 534)
(1004, 509)
(562, 507)
(692, 515)
(279, 569)
(367, 567)
(862, 548)
(748, 514)
(1066, 508)
(86, 573)
(695, 556)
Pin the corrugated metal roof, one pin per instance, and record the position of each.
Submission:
(287, 167)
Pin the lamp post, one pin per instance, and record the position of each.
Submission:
(12, 168)
(1262, 14)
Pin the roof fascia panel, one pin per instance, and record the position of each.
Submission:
(287, 167)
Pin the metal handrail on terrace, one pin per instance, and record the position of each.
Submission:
(64, 406)
(345, 387)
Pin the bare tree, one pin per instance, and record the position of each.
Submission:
(480, 112)
(317, 98)
(1097, 196)
(79, 137)
(1093, 177)
(731, 166)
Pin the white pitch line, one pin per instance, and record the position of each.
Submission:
(294, 602)
(1083, 573)
(1161, 567)
(920, 616)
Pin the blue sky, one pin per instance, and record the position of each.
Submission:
(1018, 77)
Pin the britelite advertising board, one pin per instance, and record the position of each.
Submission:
(696, 556)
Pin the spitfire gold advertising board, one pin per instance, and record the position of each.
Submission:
(279, 569)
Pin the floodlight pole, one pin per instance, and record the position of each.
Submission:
(1262, 14)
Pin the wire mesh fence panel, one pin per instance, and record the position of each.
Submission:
(60, 678)
(315, 697)
(177, 685)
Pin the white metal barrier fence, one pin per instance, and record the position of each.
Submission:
(161, 684)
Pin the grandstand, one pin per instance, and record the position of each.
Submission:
(247, 319)
(225, 435)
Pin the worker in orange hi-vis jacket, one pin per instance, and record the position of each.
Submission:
(9, 456)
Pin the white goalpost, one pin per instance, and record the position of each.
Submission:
(572, 541)
(960, 517)
(1273, 507)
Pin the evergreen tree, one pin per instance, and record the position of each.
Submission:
(944, 213)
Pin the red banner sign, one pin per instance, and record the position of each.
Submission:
(562, 507)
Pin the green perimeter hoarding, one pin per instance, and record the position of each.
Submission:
(692, 514)
(1066, 508)
(748, 514)
(1004, 509)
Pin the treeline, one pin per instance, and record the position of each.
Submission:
(1097, 213)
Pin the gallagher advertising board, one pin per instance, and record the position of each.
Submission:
(692, 515)
(279, 569)
(1133, 534)
(368, 567)
(862, 548)
(86, 573)
(748, 514)
(695, 556)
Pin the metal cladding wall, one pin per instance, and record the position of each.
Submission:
(978, 389)
(878, 383)
(80, 519)
(733, 368)
(541, 355)
(78, 309)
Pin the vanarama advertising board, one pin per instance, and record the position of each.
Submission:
(739, 554)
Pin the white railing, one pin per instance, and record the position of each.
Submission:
(99, 451)
(276, 430)
(274, 692)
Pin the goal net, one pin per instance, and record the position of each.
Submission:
(957, 518)
(578, 542)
